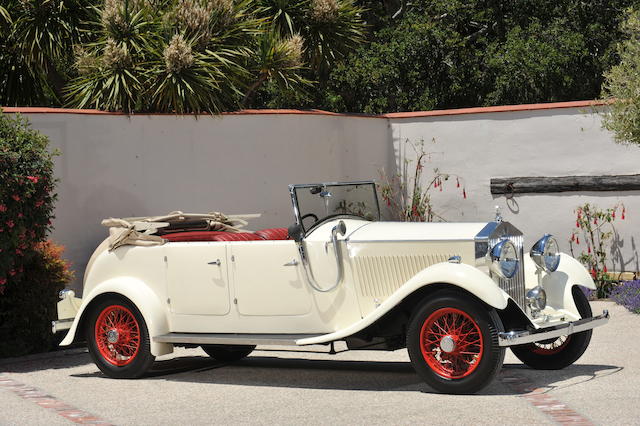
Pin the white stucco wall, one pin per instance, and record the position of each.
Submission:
(114, 165)
(546, 142)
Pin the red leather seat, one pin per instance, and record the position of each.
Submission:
(274, 234)
(211, 236)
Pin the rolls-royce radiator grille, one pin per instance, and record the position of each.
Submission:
(380, 276)
(514, 286)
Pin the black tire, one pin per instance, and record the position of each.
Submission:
(227, 353)
(555, 354)
(117, 358)
(478, 328)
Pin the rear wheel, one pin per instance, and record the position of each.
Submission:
(227, 353)
(554, 354)
(452, 342)
(118, 339)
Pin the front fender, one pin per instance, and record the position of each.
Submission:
(154, 313)
(558, 284)
(460, 275)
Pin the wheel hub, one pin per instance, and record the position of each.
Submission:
(447, 344)
(112, 336)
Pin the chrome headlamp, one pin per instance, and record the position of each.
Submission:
(545, 253)
(504, 259)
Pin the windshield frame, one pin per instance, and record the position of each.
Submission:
(296, 209)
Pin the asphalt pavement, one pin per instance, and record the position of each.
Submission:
(356, 387)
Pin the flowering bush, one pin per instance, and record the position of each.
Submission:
(26, 195)
(627, 294)
(405, 194)
(28, 304)
(595, 226)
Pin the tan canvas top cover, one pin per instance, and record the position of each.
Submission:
(138, 231)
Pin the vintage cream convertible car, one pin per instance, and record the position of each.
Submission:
(456, 295)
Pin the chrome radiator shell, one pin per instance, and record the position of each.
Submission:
(485, 240)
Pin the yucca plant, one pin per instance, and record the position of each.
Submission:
(280, 60)
(111, 70)
(36, 39)
(286, 16)
(184, 80)
(332, 29)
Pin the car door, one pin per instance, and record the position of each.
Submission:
(197, 278)
(268, 279)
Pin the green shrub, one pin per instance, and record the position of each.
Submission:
(26, 195)
(28, 304)
(31, 271)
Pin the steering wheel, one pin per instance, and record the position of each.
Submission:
(311, 215)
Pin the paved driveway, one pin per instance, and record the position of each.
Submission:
(357, 387)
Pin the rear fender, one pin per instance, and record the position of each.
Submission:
(154, 313)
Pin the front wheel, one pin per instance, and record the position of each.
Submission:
(118, 339)
(452, 342)
(558, 353)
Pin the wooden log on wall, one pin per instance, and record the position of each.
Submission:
(525, 185)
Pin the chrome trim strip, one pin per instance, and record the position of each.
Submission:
(408, 241)
(61, 325)
(232, 339)
(521, 337)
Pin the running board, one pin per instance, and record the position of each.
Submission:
(232, 339)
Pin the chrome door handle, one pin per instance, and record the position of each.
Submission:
(292, 263)
(215, 262)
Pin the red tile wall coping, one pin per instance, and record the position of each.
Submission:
(392, 115)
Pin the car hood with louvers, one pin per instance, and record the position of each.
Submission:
(384, 255)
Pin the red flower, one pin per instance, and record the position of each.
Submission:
(464, 193)
(589, 249)
(12, 272)
(20, 215)
(10, 224)
(623, 212)
(457, 183)
(605, 269)
(3, 281)
(39, 203)
(577, 240)
(16, 197)
(33, 179)
(613, 215)
(19, 252)
(3, 208)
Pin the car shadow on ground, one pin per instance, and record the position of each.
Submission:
(46, 361)
(347, 374)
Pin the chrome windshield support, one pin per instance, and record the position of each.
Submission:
(521, 337)
(340, 228)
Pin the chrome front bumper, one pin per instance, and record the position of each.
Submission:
(521, 337)
(61, 325)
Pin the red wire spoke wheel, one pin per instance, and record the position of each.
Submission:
(451, 343)
(117, 335)
(118, 338)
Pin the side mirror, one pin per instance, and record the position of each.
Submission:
(295, 232)
(341, 228)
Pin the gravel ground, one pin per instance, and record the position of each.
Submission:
(356, 387)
